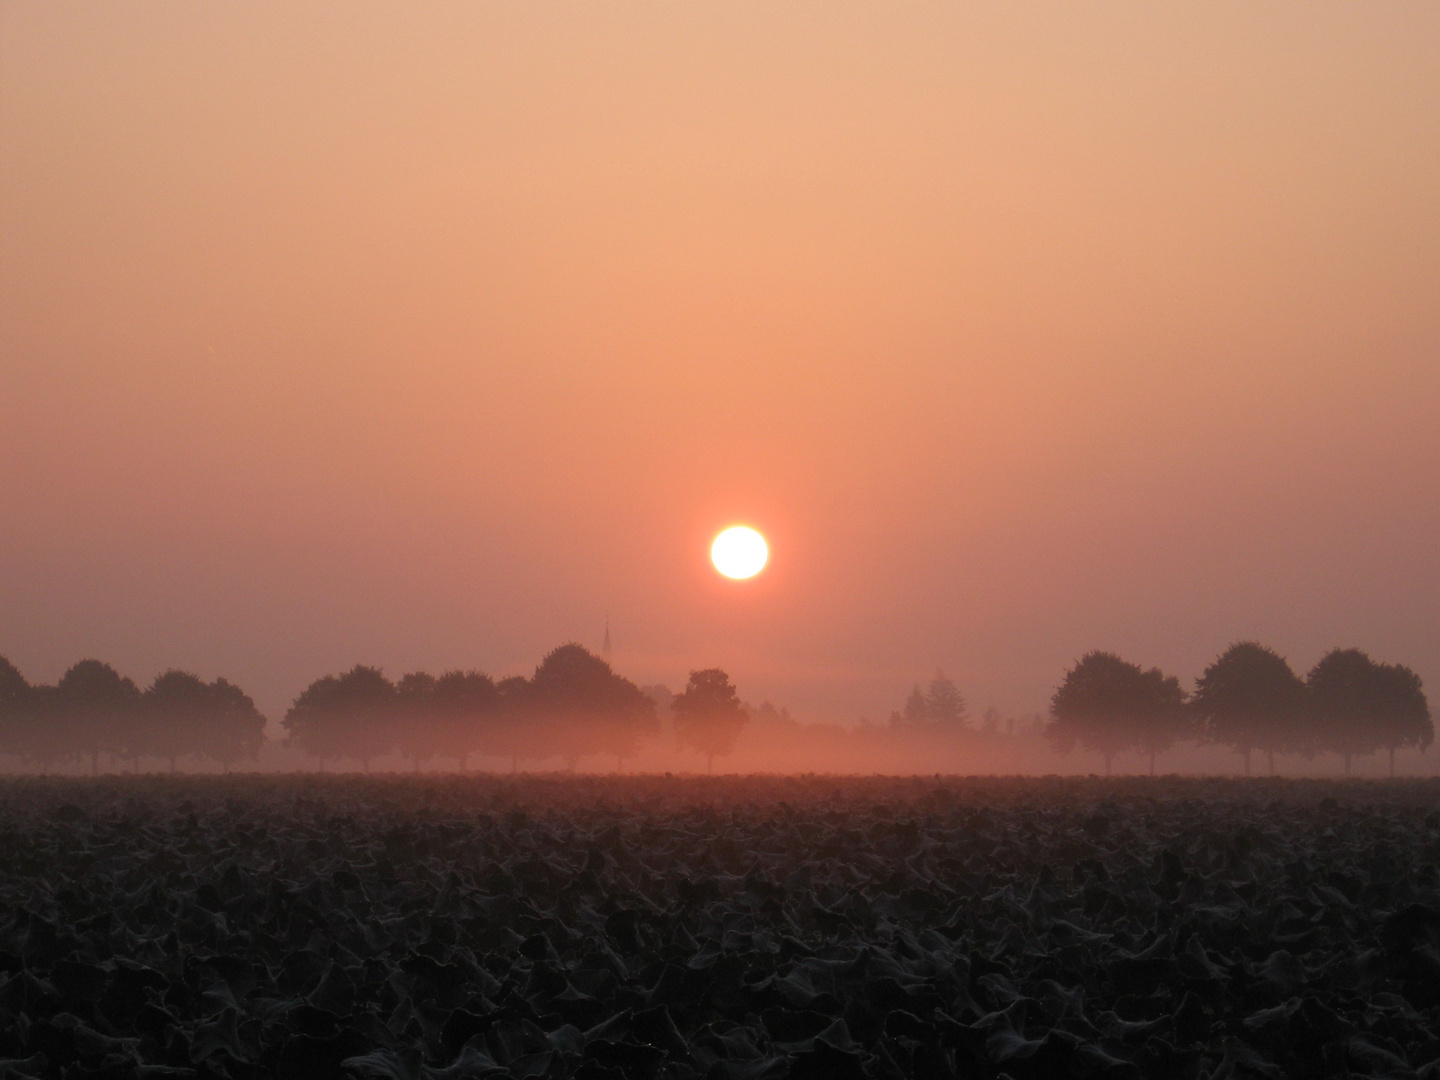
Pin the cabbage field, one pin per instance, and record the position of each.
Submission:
(811, 927)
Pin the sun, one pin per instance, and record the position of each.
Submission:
(739, 552)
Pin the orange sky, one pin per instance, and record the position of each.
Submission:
(423, 335)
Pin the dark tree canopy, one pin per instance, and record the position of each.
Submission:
(709, 715)
(514, 735)
(1360, 706)
(236, 728)
(450, 716)
(1249, 699)
(349, 715)
(1404, 712)
(182, 714)
(1109, 705)
(465, 706)
(416, 732)
(172, 717)
(93, 710)
(17, 704)
(14, 690)
(585, 708)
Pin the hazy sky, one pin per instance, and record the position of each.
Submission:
(423, 335)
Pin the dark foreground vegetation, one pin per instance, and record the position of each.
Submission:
(734, 929)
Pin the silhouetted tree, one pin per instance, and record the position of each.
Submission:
(42, 735)
(513, 735)
(416, 727)
(708, 715)
(17, 699)
(171, 717)
(915, 713)
(234, 727)
(944, 704)
(1110, 705)
(1403, 713)
(582, 707)
(1249, 699)
(181, 714)
(1360, 706)
(940, 706)
(93, 710)
(349, 715)
(14, 690)
(465, 705)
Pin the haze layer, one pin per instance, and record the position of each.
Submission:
(424, 338)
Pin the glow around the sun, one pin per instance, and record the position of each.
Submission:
(739, 552)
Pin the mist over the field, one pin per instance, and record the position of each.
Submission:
(1249, 712)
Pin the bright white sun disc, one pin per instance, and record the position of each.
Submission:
(739, 552)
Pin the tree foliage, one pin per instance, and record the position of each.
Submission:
(464, 707)
(1109, 705)
(1360, 706)
(940, 706)
(575, 706)
(1249, 699)
(181, 714)
(18, 710)
(709, 715)
(349, 715)
(94, 709)
(586, 707)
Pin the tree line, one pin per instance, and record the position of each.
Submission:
(938, 707)
(95, 710)
(574, 706)
(1249, 700)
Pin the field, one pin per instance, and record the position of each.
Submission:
(737, 929)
